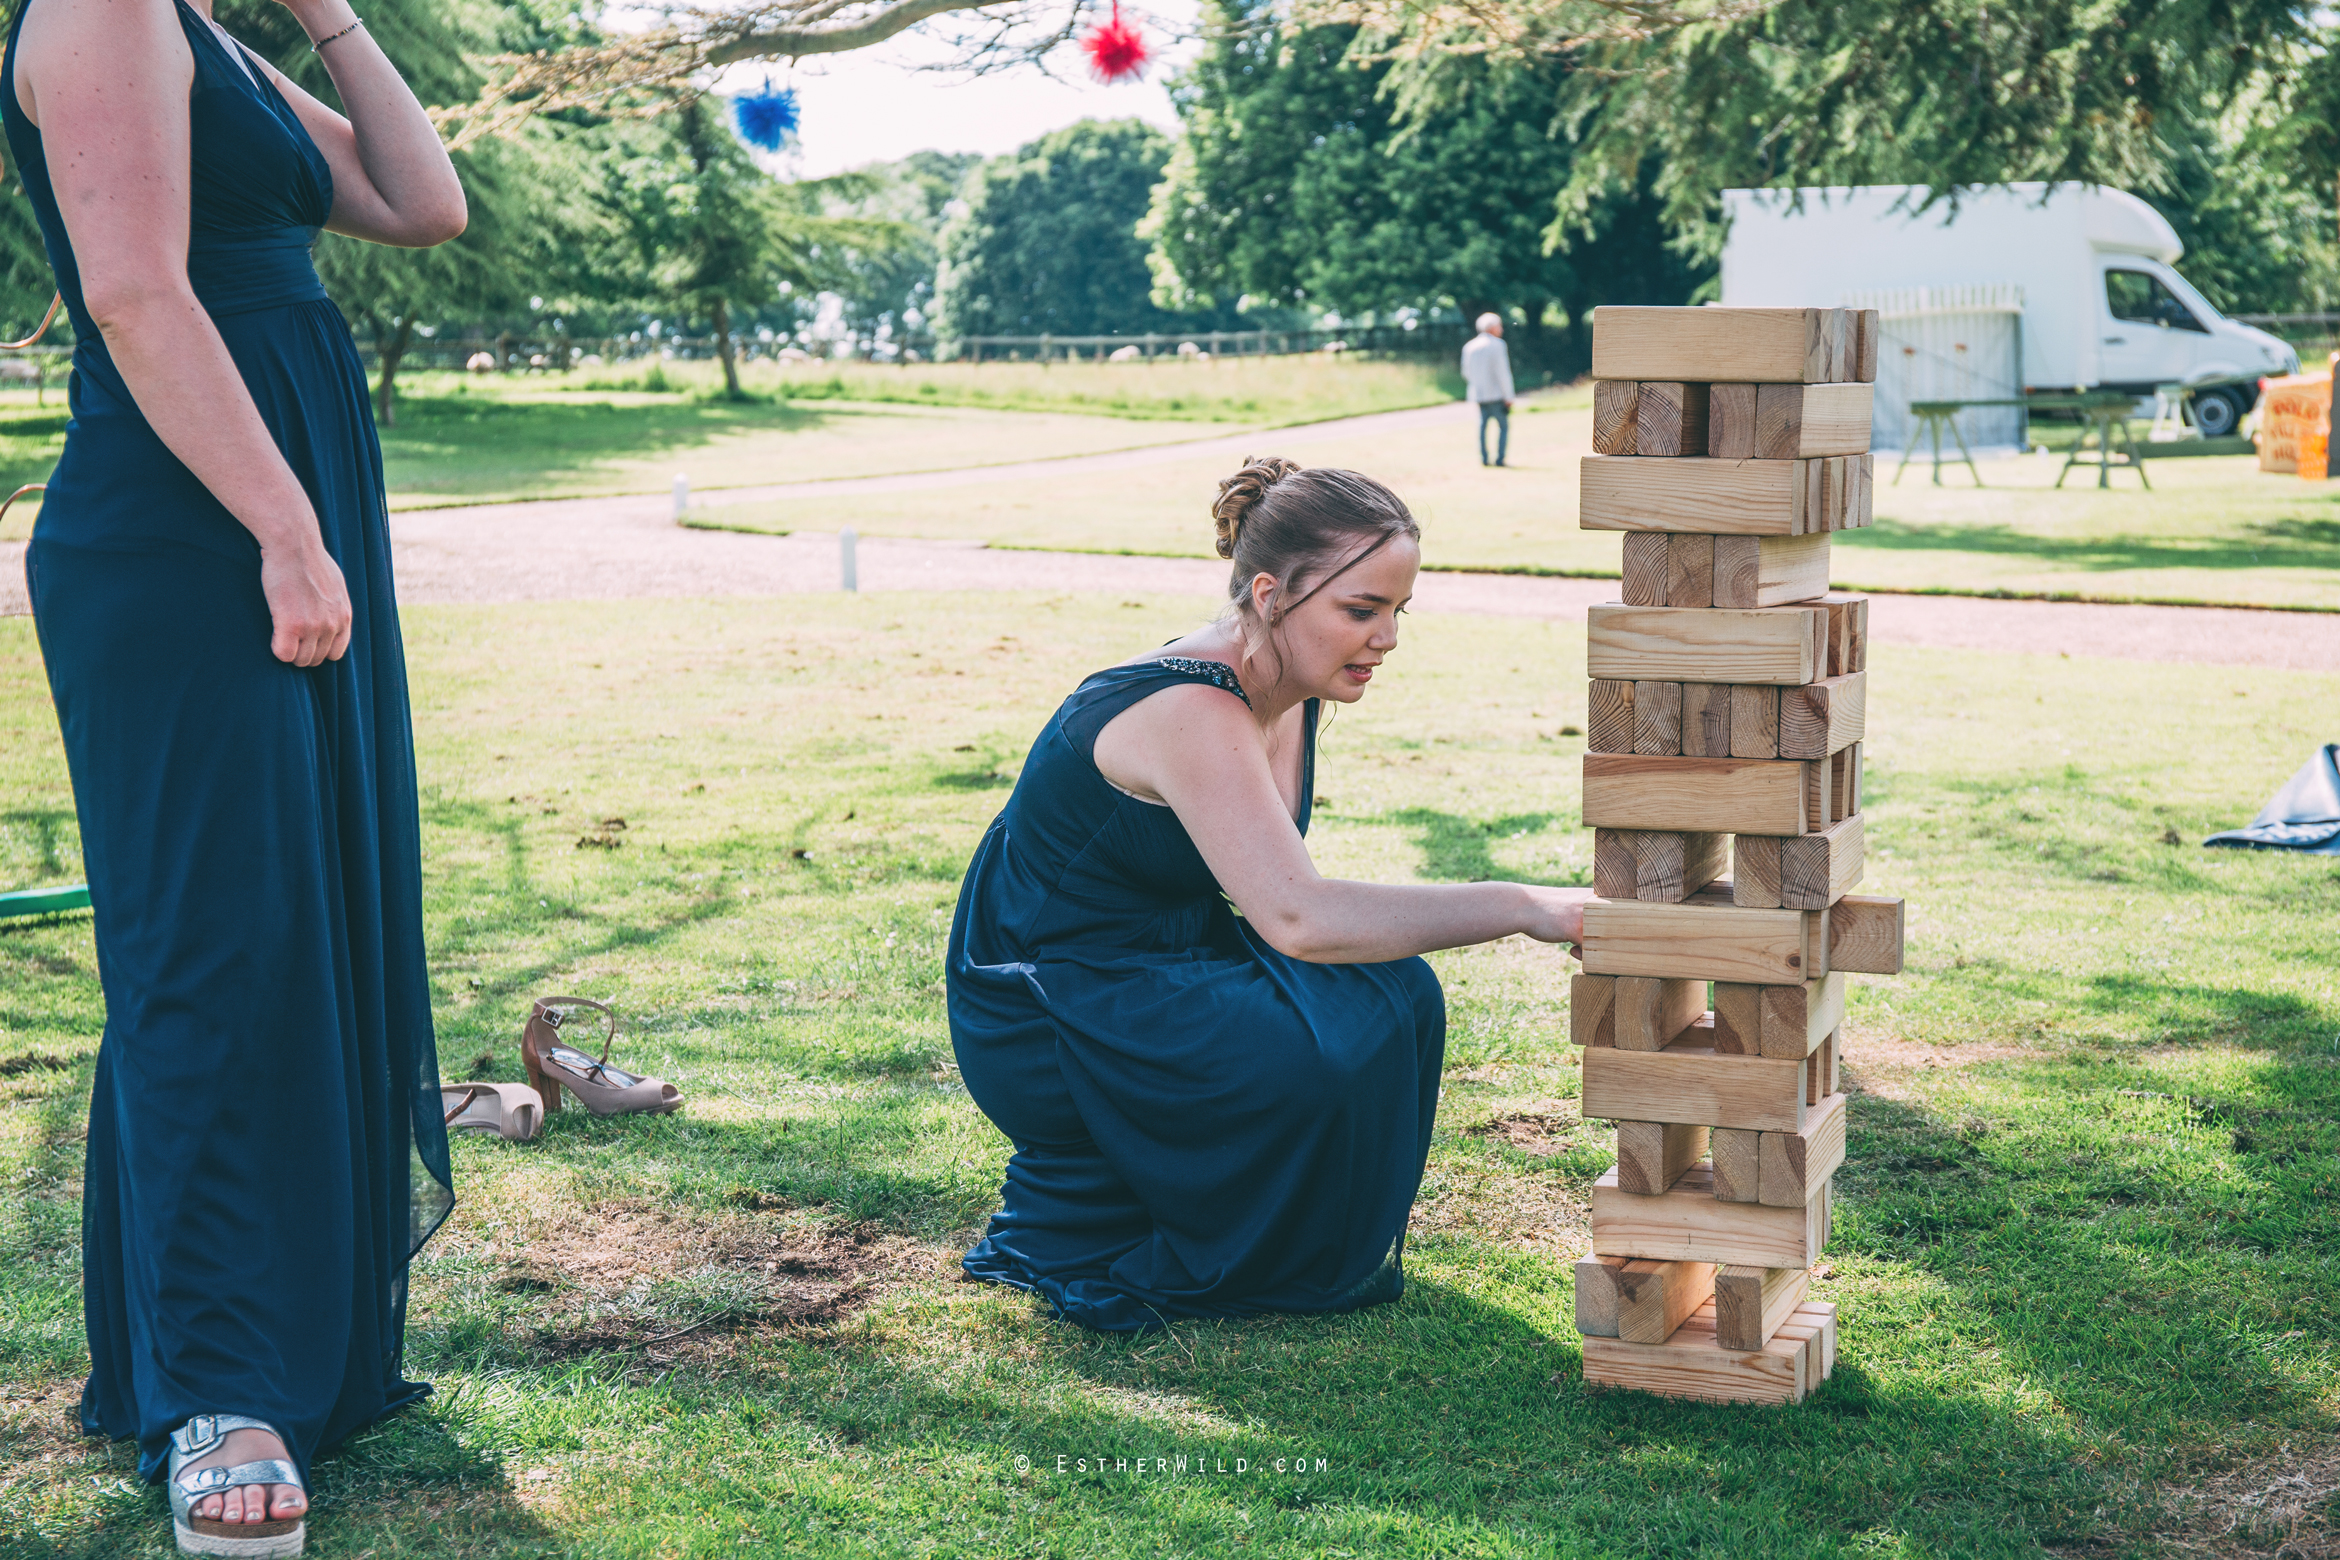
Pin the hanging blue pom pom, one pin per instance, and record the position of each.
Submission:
(767, 117)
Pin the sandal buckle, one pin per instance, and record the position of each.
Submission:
(553, 1016)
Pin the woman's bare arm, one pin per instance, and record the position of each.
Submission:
(392, 182)
(107, 82)
(1200, 751)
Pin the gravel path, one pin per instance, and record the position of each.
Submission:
(605, 548)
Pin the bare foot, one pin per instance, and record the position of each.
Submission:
(248, 1502)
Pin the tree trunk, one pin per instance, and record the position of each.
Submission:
(723, 348)
(504, 353)
(385, 408)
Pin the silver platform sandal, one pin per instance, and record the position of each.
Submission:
(199, 1437)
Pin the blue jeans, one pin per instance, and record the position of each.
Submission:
(1498, 413)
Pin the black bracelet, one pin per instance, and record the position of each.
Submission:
(329, 37)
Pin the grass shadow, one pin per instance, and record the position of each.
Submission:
(2279, 544)
(1456, 849)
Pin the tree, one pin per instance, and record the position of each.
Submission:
(1048, 242)
(1297, 181)
(891, 292)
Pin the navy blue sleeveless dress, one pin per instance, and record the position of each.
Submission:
(265, 1147)
(1203, 1126)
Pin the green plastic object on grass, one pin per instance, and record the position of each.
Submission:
(44, 901)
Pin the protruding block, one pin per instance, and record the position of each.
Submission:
(1656, 1298)
(1703, 496)
(1608, 716)
(1816, 870)
(1596, 1295)
(1708, 345)
(1705, 937)
(1784, 646)
(1671, 419)
(1719, 795)
(1694, 1086)
(1768, 571)
(1615, 405)
(1657, 718)
(1865, 935)
(1792, 1166)
(1646, 568)
(1754, 721)
(1688, 1224)
(1653, 1155)
(1825, 717)
(1751, 1304)
(1592, 1010)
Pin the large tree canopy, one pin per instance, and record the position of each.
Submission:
(1297, 182)
(1048, 241)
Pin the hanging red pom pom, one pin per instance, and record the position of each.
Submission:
(1117, 51)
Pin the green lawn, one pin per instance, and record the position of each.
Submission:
(2086, 1248)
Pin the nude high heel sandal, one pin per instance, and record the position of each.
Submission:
(512, 1111)
(605, 1090)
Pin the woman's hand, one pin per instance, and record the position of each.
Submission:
(308, 602)
(1557, 914)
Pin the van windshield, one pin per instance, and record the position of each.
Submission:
(2139, 298)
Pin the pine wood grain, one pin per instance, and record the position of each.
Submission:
(1653, 1155)
(1791, 1166)
(1695, 1086)
(1782, 646)
(1655, 1298)
(1717, 795)
(1816, 870)
(1689, 1224)
(1709, 345)
(1615, 404)
(1824, 717)
(1751, 1304)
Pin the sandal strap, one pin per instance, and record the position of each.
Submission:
(205, 1431)
(471, 1094)
(212, 1480)
(549, 1009)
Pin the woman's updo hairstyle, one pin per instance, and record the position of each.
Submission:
(1296, 524)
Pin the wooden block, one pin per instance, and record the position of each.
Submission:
(1822, 1314)
(1706, 345)
(1794, 1165)
(1834, 420)
(1847, 634)
(1608, 716)
(1754, 721)
(1795, 1019)
(1816, 870)
(1657, 718)
(1672, 419)
(1694, 1086)
(1817, 1072)
(1844, 782)
(1831, 1079)
(1868, 325)
(1614, 404)
(1592, 1010)
(1706, 720)
(1755, 871)
(1769, 571)
(1730, 421)
(1691, 1365)
(1689, 1224)
(1653, 1155)
(1843, 344)
(1705, 937)
(1823, 347)
(1656, 1298)
(1783, 646)
(1671, 865)
(1596, 1295)
(1738, 1017)
(1737, 1157)
(1819, 798)
(1616, 866)
(1867, 490)
(1824, 717)
(1653, 1012)
(1751, 1304)
(1645, 568)
(1693, 494)
(1719, 795)
(1690, 571)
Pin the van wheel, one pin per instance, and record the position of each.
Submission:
(2218, 413)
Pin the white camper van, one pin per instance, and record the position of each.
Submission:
(2019, 287)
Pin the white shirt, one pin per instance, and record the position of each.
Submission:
(1486, 368)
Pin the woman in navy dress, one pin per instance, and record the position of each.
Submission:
(210, 578)
(1219, 1069)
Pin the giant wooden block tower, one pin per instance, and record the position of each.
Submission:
(1722, 780)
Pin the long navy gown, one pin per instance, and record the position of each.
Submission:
(1203, 1126)
(265, 1149)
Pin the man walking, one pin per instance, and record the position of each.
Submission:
(1486, 371)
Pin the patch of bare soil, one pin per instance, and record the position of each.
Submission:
(1543, 1134)
(676, 1284)
(1890, 1067)
(1526, 1211)
(2280, 1508)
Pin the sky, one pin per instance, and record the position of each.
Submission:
(876, 104)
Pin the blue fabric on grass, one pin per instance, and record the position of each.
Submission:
(2303, 816)
(1203, 1126)
(265, 1146)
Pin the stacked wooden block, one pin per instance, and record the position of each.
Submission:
(1722, 780)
